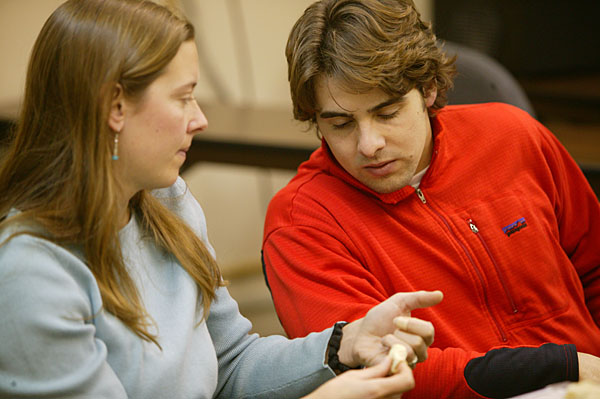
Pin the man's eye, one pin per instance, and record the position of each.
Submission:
(388, 116)
(341, 125)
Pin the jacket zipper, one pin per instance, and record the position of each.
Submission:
(466, 251)
(475, 231)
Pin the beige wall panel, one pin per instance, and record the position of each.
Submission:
(257, 74)
(20, 23)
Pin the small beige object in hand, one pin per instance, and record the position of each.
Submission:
(398, 353)
(583, 390)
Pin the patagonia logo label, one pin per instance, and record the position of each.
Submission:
(514, 227)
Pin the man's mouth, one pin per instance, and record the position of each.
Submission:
(381, 168)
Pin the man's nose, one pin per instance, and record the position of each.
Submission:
(370, 140)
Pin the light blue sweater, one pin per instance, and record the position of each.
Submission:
(56, 341)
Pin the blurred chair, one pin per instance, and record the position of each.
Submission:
(482, 79)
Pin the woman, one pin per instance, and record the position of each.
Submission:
(108, 286)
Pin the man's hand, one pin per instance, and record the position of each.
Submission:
(589, 367)
(367, 341)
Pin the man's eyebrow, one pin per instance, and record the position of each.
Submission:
(335, 114)
(393, 100)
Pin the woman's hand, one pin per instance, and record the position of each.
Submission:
(369, 383)
(367, 341)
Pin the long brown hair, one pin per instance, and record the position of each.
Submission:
(58, 170)
(365, 44)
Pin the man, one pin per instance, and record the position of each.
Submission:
(405, 193)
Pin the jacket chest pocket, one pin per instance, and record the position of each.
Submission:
(517, 254)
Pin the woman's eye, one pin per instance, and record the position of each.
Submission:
(187, 100)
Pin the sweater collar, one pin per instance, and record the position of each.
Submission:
(323, 156)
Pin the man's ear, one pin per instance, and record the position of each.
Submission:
(116, 116)
(430, 94)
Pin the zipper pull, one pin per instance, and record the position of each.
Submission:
(421, 195)
(474, 228)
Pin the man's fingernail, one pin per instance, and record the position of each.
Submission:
(402, 322)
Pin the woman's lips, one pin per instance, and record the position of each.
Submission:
(183, 152)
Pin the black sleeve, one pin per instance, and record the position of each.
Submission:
(507, 372)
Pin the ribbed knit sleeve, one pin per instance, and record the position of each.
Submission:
(507, 372)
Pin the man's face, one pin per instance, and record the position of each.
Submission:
(382, 141)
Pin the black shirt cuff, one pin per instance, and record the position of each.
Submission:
(507, 372)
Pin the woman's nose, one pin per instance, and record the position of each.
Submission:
(198, 122)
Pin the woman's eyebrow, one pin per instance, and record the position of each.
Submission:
(186, 86)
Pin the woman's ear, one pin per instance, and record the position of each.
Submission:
(116, 116)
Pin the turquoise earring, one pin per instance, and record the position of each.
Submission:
(115, 155)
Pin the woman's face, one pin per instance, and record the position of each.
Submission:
(158, 129)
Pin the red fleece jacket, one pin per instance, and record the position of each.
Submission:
(507, 227)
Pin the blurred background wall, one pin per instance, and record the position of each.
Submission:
(241, 45)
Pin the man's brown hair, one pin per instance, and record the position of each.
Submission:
(365, 44)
